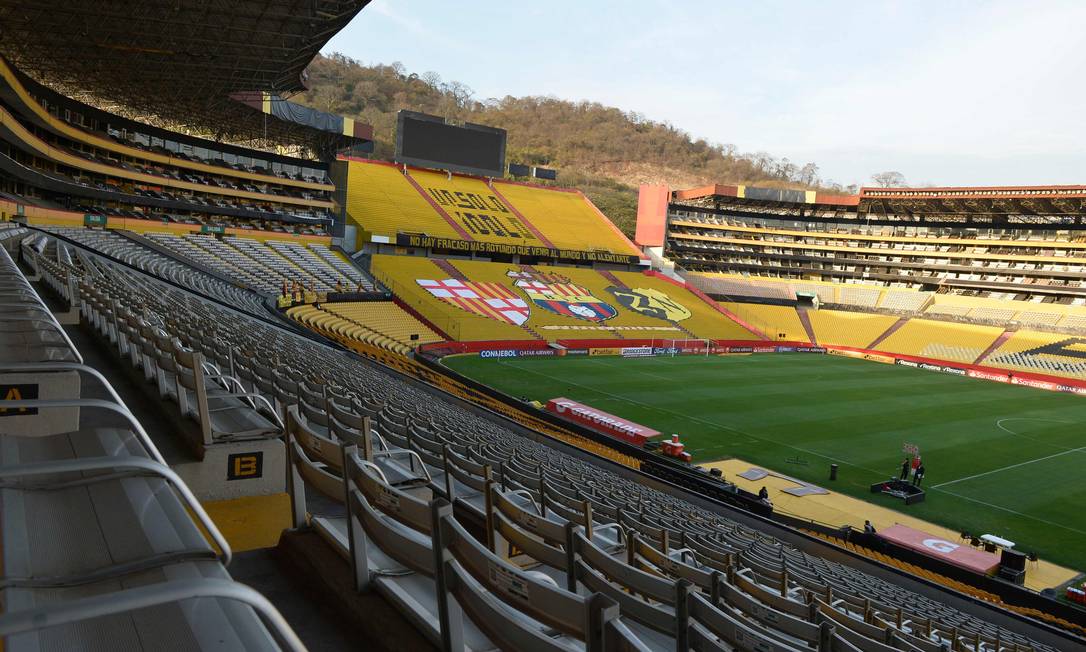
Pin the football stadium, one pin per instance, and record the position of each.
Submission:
(261, 388)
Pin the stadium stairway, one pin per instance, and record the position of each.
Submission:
(805, 319)
(874, 345)
(1003, 337)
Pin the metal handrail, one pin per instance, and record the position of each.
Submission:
(111, 463)
(43, 617)
(52, 318)
(119, 408)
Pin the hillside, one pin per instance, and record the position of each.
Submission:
(601, 150)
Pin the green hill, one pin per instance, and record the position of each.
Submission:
(604, 151)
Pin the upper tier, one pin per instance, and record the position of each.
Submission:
(473, 214)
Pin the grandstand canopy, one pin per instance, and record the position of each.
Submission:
(175, 62)
(1060, 205)
(1000, 200)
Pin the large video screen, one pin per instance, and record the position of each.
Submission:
(426, 141)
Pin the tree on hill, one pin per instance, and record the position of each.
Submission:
(602, 150)
(889, 179)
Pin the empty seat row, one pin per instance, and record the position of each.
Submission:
(433, 449)
(102, 543)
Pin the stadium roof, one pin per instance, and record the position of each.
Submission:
(174, 63)
(965, 201)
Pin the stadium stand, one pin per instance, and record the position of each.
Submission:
(378, 323)
(583, 538)
(861, 297)
(476, 301)
(117, 246)
(725, 286)
(909, 301)
(102, 543)
(126, 169)
(269, 264)
(941, 340)
(896, 237)
(384, 201)
(779, 322)
(853, 329)
(1046, 353)
(482, 523)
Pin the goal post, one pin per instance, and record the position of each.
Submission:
(701, 346)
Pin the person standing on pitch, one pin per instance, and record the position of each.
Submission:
(905, 469)
(918, 475)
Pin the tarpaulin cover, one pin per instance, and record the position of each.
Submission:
(600, 421)
(959, 554)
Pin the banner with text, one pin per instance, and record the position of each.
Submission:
(430, 242)
(601, 421)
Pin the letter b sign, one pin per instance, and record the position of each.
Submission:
(245, 466)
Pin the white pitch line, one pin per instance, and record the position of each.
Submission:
(1012, 466)
(832, 459)
(1011, 511)
(999, 424)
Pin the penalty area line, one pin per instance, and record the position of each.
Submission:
(1012, 466)
(1011, 511)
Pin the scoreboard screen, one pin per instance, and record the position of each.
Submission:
(428, 141)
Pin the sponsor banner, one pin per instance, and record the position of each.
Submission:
(874, 357)
(1037, 384)
(430, 242)
(963, 556)
(517, 353)
(764, 349)
(636, 351)
(576, 351)
(739, 349)
(801, 349)
(601, 421)
(988, 375)
(534, 353)
(604, 351)
(609, 328)
(927, 366)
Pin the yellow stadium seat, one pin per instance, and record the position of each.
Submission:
(383, 201)
(644, 306)
(377, 323)
(854, 329)
(941, 340)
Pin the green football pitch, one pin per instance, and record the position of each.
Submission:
(1000, 459)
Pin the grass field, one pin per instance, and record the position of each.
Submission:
(1000, 459)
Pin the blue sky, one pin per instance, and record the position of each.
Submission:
(949, 92)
